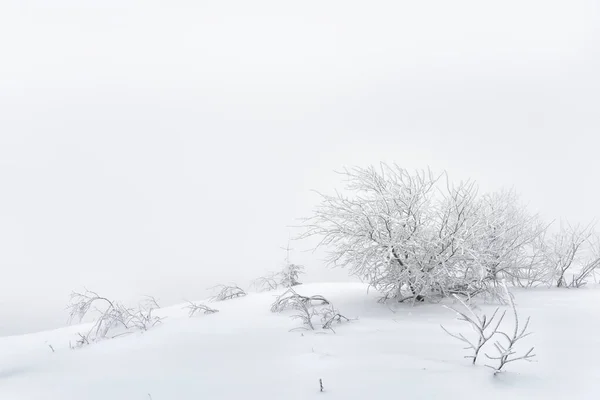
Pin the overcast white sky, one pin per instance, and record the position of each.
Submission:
(161, 147)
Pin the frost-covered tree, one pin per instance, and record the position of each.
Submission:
(417, 235)
(572, 255)
(288, 276)
(509, 241)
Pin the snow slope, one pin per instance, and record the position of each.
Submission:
(245, 351)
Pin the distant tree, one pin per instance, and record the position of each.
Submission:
(288, 276)
(574, 251)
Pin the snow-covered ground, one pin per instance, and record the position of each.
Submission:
(247, 352)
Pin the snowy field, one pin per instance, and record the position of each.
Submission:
(247, 352)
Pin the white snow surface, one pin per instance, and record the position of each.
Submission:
(247, 352)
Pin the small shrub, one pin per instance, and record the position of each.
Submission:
(306, 308)
(506, 352)
(227, 292)
(290, 299)
(110, 316)
(195, 308)
(488, 328)
(484, 327)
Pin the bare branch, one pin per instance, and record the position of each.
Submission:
(195, 308)
(484, 327)
(506, 352)
(227, 292)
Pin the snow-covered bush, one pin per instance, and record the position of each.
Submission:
(111, 318)
(414, 236)
(509, 241)
(227, 292)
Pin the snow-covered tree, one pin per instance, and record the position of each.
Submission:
(572, 255)
(288, 276)
(416, 235)
(509, 241)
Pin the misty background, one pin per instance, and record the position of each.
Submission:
(153, 147)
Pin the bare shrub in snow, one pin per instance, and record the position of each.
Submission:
(287, 277)
(484, 327)
(290, 299)
(533, 268)
(509, 241)
(80, 342)
(142, 318)
(487, 329)
(195, 308)
(587, 270)
(308, 307)
(304, 314)
(506, 352)
(266, 283)
(110, 315)
(227, 292)
(573, 250)
(329, 316)
(414, 236)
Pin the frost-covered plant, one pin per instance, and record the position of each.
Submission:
(329, 316)
(142, 317)
(110, 315)
(416, 236)
(566, 249)
(287, 277)
(586, 271)
(533, 269)
(304, 314)
(290, 299)
(488, 328)
(509, 240)
(484, 327)
(195, 308)
(308, 307)
(227, 292)
(267, 283)
(574, 251)
(506, 352)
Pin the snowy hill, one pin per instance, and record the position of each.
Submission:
(247, 352)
